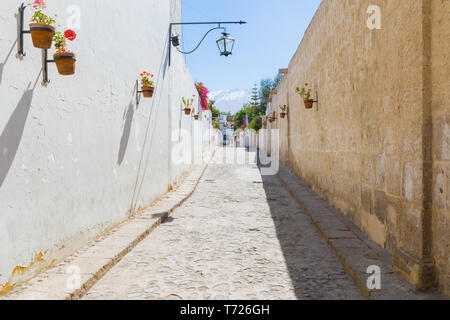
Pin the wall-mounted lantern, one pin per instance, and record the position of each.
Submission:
(225, 43)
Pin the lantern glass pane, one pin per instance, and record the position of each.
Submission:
(221, 45)
(229, 45)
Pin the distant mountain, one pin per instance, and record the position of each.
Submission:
(230, 100)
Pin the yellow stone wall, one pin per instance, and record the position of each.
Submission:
(440, 101)
(377, 145)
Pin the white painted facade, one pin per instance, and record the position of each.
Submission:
(78, 156)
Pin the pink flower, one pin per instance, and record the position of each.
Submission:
(39, 4)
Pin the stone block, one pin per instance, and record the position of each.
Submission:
(441, 136)
(380, 172)
(439, 187)
(410, 227)
(380, 206)
(367, 199)
(412, 182)
(393, 176)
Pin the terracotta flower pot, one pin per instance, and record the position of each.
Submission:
(196, 117)
(187, 111)
(42, 35)
(283, 115)
(65, 62)
(147, 91)
(308, 103)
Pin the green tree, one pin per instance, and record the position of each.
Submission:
(265, 87)
(255, 96)
(256, 123)
(257, 105)
(215, 112)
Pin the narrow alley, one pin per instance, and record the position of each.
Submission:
(240, 236)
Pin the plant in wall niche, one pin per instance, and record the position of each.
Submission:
(187, 104)
(148, 86)
(41, 28)
(305, 93)
(203, 94)
(64, 59)
(283, 109)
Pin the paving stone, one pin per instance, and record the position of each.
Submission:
(229, 242)
(356, 252)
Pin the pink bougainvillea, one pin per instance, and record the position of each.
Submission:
(203, 94)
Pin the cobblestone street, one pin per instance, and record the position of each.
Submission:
(240, 236)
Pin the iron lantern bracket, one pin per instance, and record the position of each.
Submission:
(175, 41)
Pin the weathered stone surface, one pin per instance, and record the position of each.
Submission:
(95, 259)
(234, 239)
(383, 117)
(356, 252)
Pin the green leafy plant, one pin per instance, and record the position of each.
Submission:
(60, 40)
(283, 108)
(39, 16)
(304, 92)
(188, 102)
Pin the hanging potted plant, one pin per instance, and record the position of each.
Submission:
(283, 109)
(305, 93)
(187, 104)
(148, 86)
(272, 118)
(196, 114)
(64, 60)
(41, 29)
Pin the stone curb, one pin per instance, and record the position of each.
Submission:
(353, 248)
(97, 258)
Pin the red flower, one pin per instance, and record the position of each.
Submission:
(70, 34)
(39, 4)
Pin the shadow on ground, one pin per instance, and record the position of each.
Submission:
(314, 270)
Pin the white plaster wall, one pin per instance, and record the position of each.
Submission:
(77, 156)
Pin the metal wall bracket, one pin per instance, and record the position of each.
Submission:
(138, 94)
(317, 101)
(21, 32)
(45, 62)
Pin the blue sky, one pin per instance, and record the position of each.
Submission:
(263, 45)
